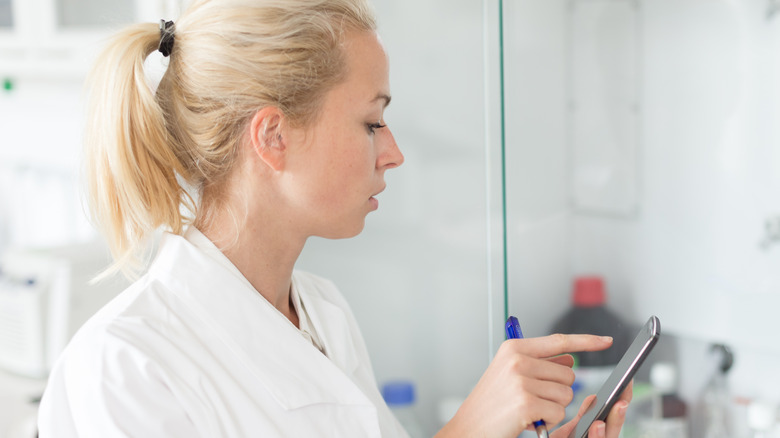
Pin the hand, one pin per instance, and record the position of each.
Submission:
(599, 429)
(527, 380)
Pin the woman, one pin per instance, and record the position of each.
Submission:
(267, 128)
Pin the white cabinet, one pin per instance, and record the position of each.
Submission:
(60, 38)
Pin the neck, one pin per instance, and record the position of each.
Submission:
(265, 253)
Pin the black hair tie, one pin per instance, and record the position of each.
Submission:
(166, 37)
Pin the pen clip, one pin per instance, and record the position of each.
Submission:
(513, 330)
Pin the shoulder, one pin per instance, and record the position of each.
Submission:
(118, 363)
(123, 327)
(138, 329)
(147, 299)
(110, 382)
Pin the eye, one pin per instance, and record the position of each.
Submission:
(372, 127)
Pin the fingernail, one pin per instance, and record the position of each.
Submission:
(606, 338)
(622, 409)
(601, 429)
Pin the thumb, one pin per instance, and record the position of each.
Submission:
(565, 430)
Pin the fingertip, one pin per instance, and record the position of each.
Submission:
(598, 429)
(586, 404)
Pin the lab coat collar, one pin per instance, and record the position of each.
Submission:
(290, 368)
(328, 318)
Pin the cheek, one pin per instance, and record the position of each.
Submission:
(346, 162)
(353, 154)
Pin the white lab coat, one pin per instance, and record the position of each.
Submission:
(192, 350)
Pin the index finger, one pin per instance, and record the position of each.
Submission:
(553, 345)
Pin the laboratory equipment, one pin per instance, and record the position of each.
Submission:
(669, 418)
(45, 296)
(762, 418)
(589, 314)
(400, 397)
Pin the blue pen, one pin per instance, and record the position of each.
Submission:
(513, 332)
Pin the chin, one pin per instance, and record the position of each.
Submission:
(345, 232)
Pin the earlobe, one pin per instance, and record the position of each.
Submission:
(267, 139)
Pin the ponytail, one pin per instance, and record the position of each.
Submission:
(131, 170)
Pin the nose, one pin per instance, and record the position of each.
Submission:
(390, 155)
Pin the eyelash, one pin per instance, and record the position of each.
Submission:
(372, 127)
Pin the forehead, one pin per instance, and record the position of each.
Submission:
(367, 66)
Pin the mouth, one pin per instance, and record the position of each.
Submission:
(372, 199)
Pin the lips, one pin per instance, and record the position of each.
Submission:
(373, 201)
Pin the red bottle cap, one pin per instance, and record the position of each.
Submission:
(589, 292)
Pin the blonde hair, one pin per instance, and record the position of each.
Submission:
(230, 58)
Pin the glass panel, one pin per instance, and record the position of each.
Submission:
(94, 13)
(640, 145)
(6, 16)
(697, 248)
(570, 135)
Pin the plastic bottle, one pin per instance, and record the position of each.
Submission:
(716, 395)
(400, 397)
(590, 315)
(670, 419)
(762, 418)
(663, 376)
(640, 411)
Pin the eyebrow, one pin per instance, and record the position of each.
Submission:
(386, 97)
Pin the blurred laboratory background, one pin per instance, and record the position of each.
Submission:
(569, 162)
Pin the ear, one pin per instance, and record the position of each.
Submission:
(265, 131)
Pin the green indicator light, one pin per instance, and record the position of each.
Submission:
(8, 84)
